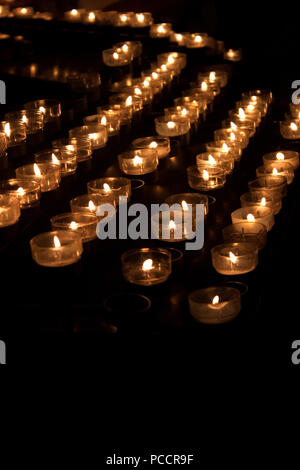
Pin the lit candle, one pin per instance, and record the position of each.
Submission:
(260, 213)
(234, 258)
(179, 125)
(224, 148)
(83, 223)
(117, 186)
(9, 210)
(141, 20)
(160, 144)
(196, 40)
(116, 58)
(23, 12)
(72, 15)
(233, 55)
(46, 174)
(161, 30)
(28, 192)
(262, 198)
(66, 161)
(138, 161)
(146, 266)
(280, 168)
(56, 249)
(215, 305)
(88, 203)
(251, 232)
(206, 179)
(222, 160)
(289, 156)
(290, 129)
(96, 133)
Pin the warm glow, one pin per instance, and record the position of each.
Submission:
(92, 206)
(212, 76)
(137, 91)
(275, 172)
(56, 242)
(106, 187)
(293, 126)
(73, 225)
(263, 201)
(154, 75)
(164, 67)
(211, 160)
(115, 55)
(171, 124)
(140, 17)
(74, 12)
(161, 28)
(42, 109)
(147, 265)
(280, 156)
(7, 129)
(103, 121)
(36, 170)
(146, 83)
(20, 191)
(23, 11)
(123, 18)
(179, 37)
(232, 136)
(93, 136)
(225, 148)
(232, 257)
(153, 145)
(137, 160)
(250, 107)
(128, 101)
(184, 205)
(125, 48)
(233, 126)
(250, 218)
(172, 225)
(24, 119)
(254, 98)
(215, 300)
(204, 86)
(205, 175)
(242, 114)
(92, 16)
(184, 112)
(198, 38)
(54, 159)
(171, 60)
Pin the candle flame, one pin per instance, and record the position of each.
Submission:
(23, 11)
(93, 136)
(154, 75)
(211, 160)
(103, 121)
(205, 175)
(164, 67)
(137, 160)
(115, 55)
(263, 201)
(56, 242)
(212, 76)
(179, 37)
(7, 129)
(242, 114)
(184, 112)
(250, 107)
(204, 86)
(161, 28)
(20, 191)
(125, 48)
(123, 18)
(250, 218)
(172, 225)
(184, 205)
(198, 38)
(137, 91)
(215, 300)
(54, 159)
(74, 12)
(92, 16)
(232, 257)
(140, 17)
(153, 145)
(92, 206)
(293, 126)
(128, 101)
(147, 265)
(233, 126)
(24, 119)
(275, 172)
(171, 124)
(146, 83)
(36, 170)
(106, 187)
(232, 136)
(42, 109)
(280, 156)
(73, 225)
(225, 148)
(254, 98)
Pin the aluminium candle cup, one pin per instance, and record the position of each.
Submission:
(223, 147)
(289, 156)
(82, 146)
(206, 179)
(262, 198)
(23, 12)
(51, 108)
(15, 131)
(238, 138)
(67, 162)
(111, 122)
(112, 58)
(160, 144)
(195, 40)
(9, 210)
(56, 249)
(160, 30)
(224, 161)
(88, 203)
(215, 305)
(46, 174)
(231, 259)
(290, 129)
(233, 55)
(251, 232)
(138, 161)
(172, 128)
(261, 214)
(118, 186)
(246, 126)
(146, 266)
(189, 198)
(277, 169)
(28, 192)
(141, 20)
(96, 133)
(82, 223)
(269, 183)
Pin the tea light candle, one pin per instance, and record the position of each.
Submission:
(261, 214)
(9, 210)
(249, 111)
(123, 19)
(188, 201)
(43, 15)
(246, 126)
(56, 249)
(33, 119)
(96, 133)
(50, 108)
(224, 148)
(192, 112)
(126, 100)
(224, 161)
(233, 55)
(290, 129)
(179, 125)
(117, 110)
(160, 144)
(196, 40)
(161, 30)
(15, 131)
(82, 223)
(251, 232)
(179, 38)
(270, 184)
(146, 266)
(72, 16)
(289, 156)
(88, 203)
(277, 169)
(215, 305)
(46, 174)
(240, 115)
(138, 161)
(110, 121)
(175, 61)
(116, 58)
(28, 192)
(174, 225)
(264, 95)
(141, 20)
(116, 186)
(206, 179)
(237, 137)
(23, 12)
(81, 146)
(262, 198)
(66, 161)
(255, 103)
(3, 144)
(214, 76)
(192, 101)
(234, 258)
